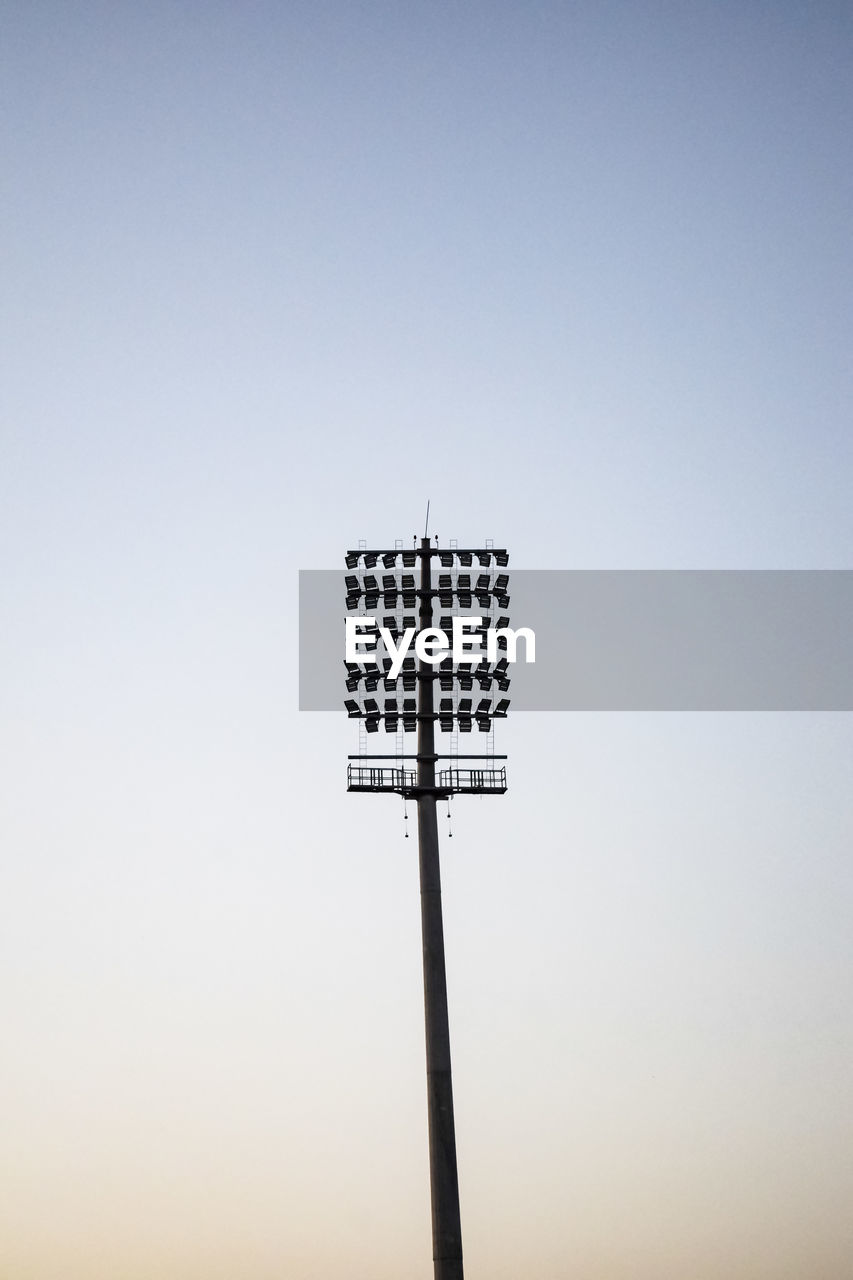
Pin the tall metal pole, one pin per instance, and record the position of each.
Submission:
(444, 1181)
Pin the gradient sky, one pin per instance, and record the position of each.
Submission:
(273, 274)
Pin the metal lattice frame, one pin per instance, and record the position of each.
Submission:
(384, 584)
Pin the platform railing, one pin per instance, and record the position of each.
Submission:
(366, 778)
(448, 781)
(472, 780)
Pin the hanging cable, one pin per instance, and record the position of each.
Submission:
(405, 818)
(449, 828)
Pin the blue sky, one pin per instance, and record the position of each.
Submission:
(274, 275)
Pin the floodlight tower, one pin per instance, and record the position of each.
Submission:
(425, 785)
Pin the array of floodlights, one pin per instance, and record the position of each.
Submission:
(461, 702)
(447, 559)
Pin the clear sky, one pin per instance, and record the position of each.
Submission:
(273, 274)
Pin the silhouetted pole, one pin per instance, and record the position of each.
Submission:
(444, 1181)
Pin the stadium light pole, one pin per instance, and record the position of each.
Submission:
(425, 785)
(444, 1177)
